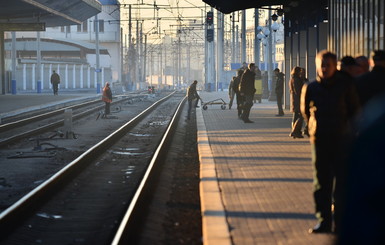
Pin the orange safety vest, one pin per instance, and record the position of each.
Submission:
(107, 94)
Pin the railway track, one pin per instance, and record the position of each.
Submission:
(99, 197)
(15, 129)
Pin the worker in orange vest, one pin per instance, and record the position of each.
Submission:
(107, 98)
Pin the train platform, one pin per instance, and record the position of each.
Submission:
(12, 105)
(256, 181)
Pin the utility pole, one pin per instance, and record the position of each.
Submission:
(233, 52)
(243, 37)
(97, 70)
(220, 48)
(38, 62)
(14, 63)
(160, 72)
(210, 71)
(256, 40)
(121, 56)
(188, 64)
(270, 61)
(144, 59)
(179, 67)
(165, 62)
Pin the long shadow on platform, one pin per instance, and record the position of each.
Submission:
(261, 215)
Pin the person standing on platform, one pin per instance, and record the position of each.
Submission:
(231, 92)
(192, 95)
(55, 80)
(295, 85)
(349, 65)
(247, 89)
(258, 85)
(329, 105)
(363, 63)
(107, 98)
(240, 99)
(279, 87)
(372, 84)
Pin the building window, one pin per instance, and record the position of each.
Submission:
(66, 29)
(101, 25)
(83, 27)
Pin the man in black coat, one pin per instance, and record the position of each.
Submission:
(240, 99)
(55, 80)
(247, 90)
(372, 84)
(192, 95)
(279, 87)
(329, 105)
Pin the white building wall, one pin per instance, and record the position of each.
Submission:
(109, 38)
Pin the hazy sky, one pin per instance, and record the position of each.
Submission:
(164, 18)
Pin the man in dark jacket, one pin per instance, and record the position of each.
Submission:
(372, 83)
(279, 76)
(247, 89)
(192, 95)
(328, 105)
(55, 80)
(240, 99)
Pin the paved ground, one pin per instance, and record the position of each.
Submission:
(14, 104)
(256, 181)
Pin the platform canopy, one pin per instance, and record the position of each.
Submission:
(50, 13)
(229, 6)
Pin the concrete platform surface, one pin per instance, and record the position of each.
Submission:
(256, 181)
(11, 105)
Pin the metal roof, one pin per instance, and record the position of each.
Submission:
(52, 13)
(228, 6)
(47, 44)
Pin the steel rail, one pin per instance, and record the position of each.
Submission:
(22, 122)
(13, 215)
(52, 125)
(129, 227)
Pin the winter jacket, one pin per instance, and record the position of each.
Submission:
(329, 106)
(246, 85)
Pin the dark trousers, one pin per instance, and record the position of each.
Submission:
(107, 108)
(328, 158)
(231, 95)
(55, 88)
(247, 104)
(191, 103)
(297, 123)
(279, 103)
(240, 101)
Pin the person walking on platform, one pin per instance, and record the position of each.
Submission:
(231, 92)
(247, 89)
(107, 98)
(295, 84)
(279, 87)
(55, 80)
(329, 105)
(192, 95)
(240, 98)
